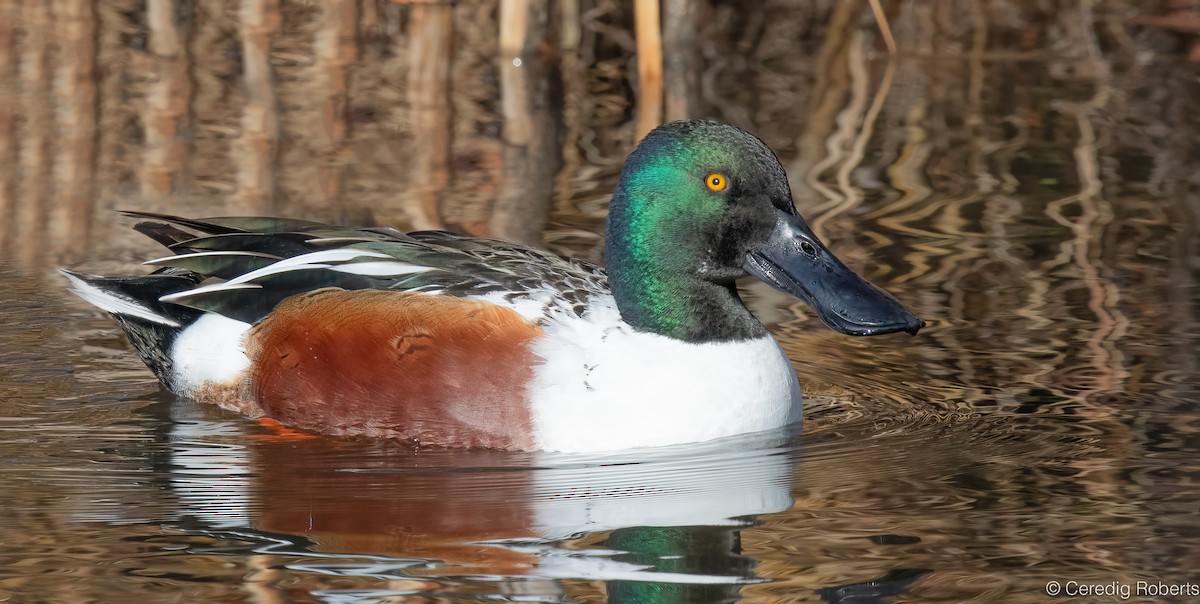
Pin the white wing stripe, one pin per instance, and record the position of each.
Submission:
(307, 261)
(311, 261)
(380, 269)
(314, 260)
(206, 289)
(170, 259)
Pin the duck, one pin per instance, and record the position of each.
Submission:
(448, 340)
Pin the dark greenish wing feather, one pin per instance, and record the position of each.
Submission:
(220, 264)
(243, 267)
(232, 224)
(257, 300)
(282, 245)
(165, 234)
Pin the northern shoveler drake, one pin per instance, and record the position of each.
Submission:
(459, 341)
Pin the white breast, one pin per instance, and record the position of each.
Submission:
(603, 386)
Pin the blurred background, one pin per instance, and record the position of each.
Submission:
(512, 117)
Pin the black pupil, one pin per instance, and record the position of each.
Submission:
(808, 248)
(716, 181)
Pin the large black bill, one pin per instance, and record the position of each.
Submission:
(795, 262)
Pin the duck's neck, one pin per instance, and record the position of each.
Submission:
(651, 252)
(696, 311)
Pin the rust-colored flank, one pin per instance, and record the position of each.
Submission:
(435, 369)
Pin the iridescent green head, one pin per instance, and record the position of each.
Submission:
(701, 204)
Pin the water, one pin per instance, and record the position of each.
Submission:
(1034, 199)
(1044, 428)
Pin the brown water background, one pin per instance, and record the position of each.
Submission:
(1025, 175)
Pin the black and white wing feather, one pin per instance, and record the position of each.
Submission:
(242, 267)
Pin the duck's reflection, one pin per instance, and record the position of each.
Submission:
(663, 522)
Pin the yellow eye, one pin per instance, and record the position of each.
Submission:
(716, 181)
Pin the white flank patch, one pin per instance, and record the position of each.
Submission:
(115, 303)
(209, 351)
(603, 386)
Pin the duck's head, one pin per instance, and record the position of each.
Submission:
(701, 204)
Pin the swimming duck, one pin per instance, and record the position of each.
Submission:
(458, 341)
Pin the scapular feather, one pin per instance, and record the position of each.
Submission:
(225, 265)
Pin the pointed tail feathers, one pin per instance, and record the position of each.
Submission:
(151, 325)
(134, 297)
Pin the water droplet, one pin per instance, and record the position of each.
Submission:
(517, 62)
